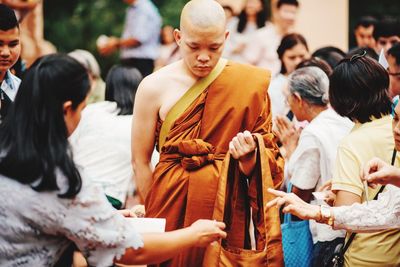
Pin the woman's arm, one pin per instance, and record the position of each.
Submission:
(160, 247)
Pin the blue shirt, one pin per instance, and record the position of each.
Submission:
(143, 23)
(10, 85)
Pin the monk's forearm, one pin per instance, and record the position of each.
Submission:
(247, 163)
(143, 176)
(160, 247)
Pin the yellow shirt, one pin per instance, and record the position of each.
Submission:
(365, 141)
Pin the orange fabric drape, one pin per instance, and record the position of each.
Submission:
(185, 180)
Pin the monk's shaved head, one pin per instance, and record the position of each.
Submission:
(205, 14)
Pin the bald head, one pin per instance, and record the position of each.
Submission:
(204, 14)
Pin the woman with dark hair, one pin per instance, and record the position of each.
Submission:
(110, 123)
(45, 205)
(332, 55)
(359, 91)
(292, 50)
(252, 17)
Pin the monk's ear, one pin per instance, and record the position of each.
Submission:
(177, 36)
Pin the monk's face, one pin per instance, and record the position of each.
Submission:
(201, 48)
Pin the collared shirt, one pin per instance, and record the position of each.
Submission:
(10, 85)
(142, 22)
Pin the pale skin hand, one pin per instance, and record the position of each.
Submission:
(376, 171)
(242, 147)
(330, 197)
(163, 246)
(294, 205)
(114, 43)
(287, 134)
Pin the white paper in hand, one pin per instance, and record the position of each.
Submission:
(148, 225)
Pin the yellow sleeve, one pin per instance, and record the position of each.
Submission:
(346, 174)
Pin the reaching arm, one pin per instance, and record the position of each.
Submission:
(160, 247)
(144, 122)
(377, 215)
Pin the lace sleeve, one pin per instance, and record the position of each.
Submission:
(99, 231)
(381, 214)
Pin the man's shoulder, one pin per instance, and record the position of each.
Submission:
(158, 80)
(249, 71)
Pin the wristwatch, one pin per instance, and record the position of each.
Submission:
(326, 215)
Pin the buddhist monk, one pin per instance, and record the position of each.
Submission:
(194, 133)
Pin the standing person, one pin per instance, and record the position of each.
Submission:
(363, 32)
(359, 91)
(265, 41)
(386, 34)
(10, 49)
(252, 18)
(292, 50)
(393, 59)
(310, 164)
(218, 121)
(139, 43)
(51, 206)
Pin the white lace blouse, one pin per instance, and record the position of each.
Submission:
(381, 214)
(36, 227)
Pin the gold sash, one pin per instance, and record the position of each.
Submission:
(187, 99)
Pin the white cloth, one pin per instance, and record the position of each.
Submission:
(279, 105)
(262, 46)
(36, 227)
(237, 39)
(376, 215)
(102, 146)
(311, 164)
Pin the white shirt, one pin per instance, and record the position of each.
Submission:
(311, 164)
(10, 85)
(102, 147)
(279, 106)
(262, 46)
(37, 227)
(376, 215)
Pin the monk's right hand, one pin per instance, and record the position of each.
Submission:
(207, 231)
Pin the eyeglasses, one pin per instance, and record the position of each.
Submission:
(357, 56)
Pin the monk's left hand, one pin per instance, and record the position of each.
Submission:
(242, 145)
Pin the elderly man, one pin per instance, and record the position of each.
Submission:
(197, 110)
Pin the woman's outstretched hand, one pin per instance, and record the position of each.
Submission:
(207, 231)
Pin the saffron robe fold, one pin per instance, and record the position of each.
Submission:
(185, 180)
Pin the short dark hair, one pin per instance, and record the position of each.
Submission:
(359, 89)
(388, 26)
(121, 85)
(8, 20)
(394, 51)
(366, 21)
(289, 41)
(332, 55)
(287, 2)
(316, 62)
(36, 148)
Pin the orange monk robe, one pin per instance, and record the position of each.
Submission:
(185, 180)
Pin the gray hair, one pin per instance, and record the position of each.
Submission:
(87, 60)
(312, 84)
